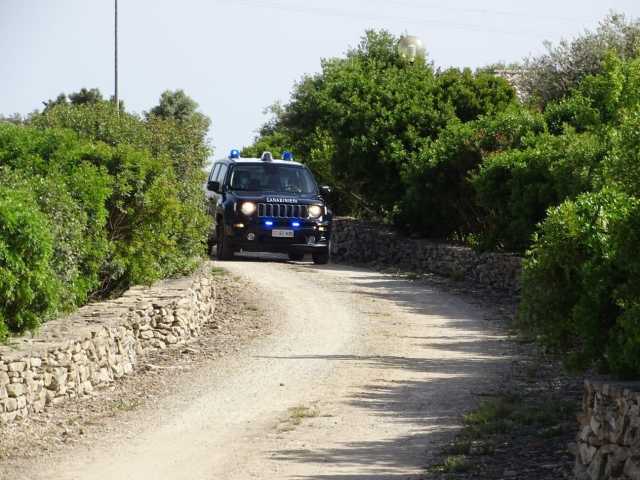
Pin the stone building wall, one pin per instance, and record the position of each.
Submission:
(101, 342)
(608, 444)
(360, 242)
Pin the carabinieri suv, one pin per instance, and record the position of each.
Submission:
(267, 205)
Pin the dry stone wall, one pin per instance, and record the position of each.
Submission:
(608, 444)
(365, 243)
(100, 343)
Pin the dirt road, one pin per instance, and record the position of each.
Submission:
(364, 376)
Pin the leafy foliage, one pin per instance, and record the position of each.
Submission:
(28, 286)
(580, 288)
(440, 200)
(176, 105)
(580, 284)
(553, 75)
(516, 187)
(358, 122)
(119, 198)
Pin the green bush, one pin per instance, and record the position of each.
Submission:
(143, 156)
(29, 290)
(121, 195)
(516, 187)
(71, 192)
(440, 200)
(580, 282)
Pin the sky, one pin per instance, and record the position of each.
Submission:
(236, 57)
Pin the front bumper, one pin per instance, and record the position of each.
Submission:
(254, 235)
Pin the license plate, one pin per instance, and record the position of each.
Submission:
(282, 233)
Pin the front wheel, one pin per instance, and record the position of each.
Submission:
(320, 258)
(224, 248)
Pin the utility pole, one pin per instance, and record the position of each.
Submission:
(116, 58)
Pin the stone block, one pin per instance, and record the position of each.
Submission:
(632, 467)
(10, 404)
(146, 334)
(4, 378)
(17, 366)
(15, 389)
(586, 453)
(597, 465)
(58, 379)
(8, 417)
(87, 387)
(616, 461)
(118, 371)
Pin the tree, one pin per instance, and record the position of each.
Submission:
(82, 97)
(553, 75)
(365, 116)
(85, 96)
(176, 105)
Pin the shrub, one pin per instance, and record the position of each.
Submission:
(440, 201)
(122, 197)
(580, 292)
(516, 187)
(28, 285)
(71, 192)
(143, 150)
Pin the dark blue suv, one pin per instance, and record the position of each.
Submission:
(267, 205)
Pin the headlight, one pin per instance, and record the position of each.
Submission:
(315, 211)
(248, 208)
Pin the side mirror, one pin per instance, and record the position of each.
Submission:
(213, 186)
(325, 190)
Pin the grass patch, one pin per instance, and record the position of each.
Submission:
(296, 415)
(121, 405)
(499, 419)
(218, 272)
(454, 464)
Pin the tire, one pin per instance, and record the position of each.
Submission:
(224, 247)
(320, 258)
(296, 256)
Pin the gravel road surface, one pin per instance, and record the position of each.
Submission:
(364, 376)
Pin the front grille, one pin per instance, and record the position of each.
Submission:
(282, 210)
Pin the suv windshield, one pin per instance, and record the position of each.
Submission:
(272, 178)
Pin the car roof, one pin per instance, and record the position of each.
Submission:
(241, 161)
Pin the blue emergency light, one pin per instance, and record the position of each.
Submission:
(268, 223)
(295, 224)
(287, 155)
(235, 153)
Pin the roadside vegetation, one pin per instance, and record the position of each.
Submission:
(535, 428)
(93, 200)
(550, 170)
